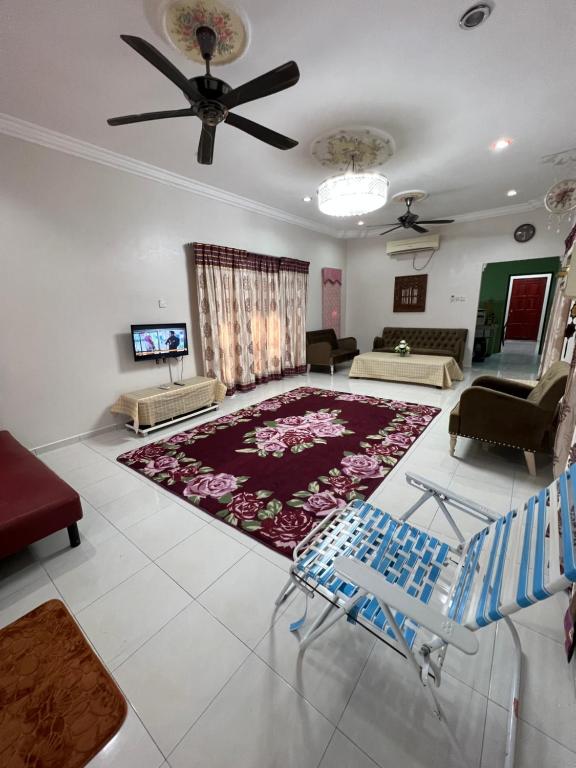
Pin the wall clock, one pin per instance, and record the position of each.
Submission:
(524, 232)
(561, 197)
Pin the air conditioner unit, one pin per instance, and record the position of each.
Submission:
(414, 245)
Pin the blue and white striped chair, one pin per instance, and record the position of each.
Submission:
(422, 595)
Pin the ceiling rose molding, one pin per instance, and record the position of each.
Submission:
(362, 145)
(462, 218)
(36, 134)
(181, 18)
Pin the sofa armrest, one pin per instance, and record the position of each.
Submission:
(509, 386)
(319, 353)
(502, 418)
(378, 343)
(348, 343)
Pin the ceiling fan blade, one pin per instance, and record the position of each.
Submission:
(284, 76)
(437, 221)
(398, 226)
(260, 132)
(418, 228)
(150, 116)
(162, 64)
(206, 144)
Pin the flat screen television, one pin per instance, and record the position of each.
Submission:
(152, 341)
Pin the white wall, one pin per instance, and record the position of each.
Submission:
(85, 251)
(455, 270)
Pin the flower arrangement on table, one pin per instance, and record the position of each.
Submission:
(402, 349)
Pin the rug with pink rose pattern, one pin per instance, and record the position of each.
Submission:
(275, 469)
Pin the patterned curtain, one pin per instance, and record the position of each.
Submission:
(565, 442)
(554, 340)
(252, 315)
(331, 302)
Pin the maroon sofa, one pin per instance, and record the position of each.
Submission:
(34, 502)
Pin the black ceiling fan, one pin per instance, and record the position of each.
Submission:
(211, 98)
(411, 220)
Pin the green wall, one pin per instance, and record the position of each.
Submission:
(494, 286)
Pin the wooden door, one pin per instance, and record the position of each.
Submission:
(525, 309)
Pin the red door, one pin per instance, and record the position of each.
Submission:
(525, 310)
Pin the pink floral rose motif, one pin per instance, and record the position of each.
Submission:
(273, 446)
(211, 485)
(342, 484)
(381, 449)
(264, 434)
(291, 421)
(323, 502)
(182, 437)
(296, 437)
(245, 506)
(312, 418)
(148, 452)
(269, 405)
(288, 527)
(161, 464)
(404, 441)
(327, 429)
(358, 465)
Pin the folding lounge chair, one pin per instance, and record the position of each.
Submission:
(421, 595)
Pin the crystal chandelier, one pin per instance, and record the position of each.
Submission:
(352, 194)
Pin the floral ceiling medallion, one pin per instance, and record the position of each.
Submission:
(181, 18)
(368, 147)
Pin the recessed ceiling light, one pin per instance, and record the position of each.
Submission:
(511, 193)
(360, 223)
(475, 16)
(500, 144)
(307, 199)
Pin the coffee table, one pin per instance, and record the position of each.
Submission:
(433, 370)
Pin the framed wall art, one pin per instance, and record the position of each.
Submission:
(410, 293)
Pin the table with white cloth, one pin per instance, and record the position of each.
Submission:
(434, 370)
(154, 407)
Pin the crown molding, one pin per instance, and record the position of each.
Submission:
(462, 218)
(36, 134)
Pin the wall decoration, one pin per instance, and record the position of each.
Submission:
(181, 18)
(410, 293)
(331, 299)
(368, 147)
(524, 233)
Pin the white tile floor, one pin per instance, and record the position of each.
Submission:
(180, 608)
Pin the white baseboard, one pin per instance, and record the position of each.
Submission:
(74, 438)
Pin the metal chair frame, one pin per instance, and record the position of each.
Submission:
(420, 595)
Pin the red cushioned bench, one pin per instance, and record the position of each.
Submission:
(34, 501)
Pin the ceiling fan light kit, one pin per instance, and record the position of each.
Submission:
(353, 194)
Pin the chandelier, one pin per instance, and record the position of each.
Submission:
(352, 194)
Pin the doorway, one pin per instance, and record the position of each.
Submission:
(525, 307)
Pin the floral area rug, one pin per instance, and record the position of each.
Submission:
(275, 469)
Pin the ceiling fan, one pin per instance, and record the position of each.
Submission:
(411, 220)
(211, 98)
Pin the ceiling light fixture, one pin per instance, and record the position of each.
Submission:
(360, 223)
(475, 16)
(500, 144)
(511, 193)
(351, 193)
(307, 199)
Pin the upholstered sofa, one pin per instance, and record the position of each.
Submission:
(511, 413)
(34, 501)
(449, 342)
(323, 348)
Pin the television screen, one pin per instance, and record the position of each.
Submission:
(159, 340)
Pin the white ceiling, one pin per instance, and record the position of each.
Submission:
(400, 65)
